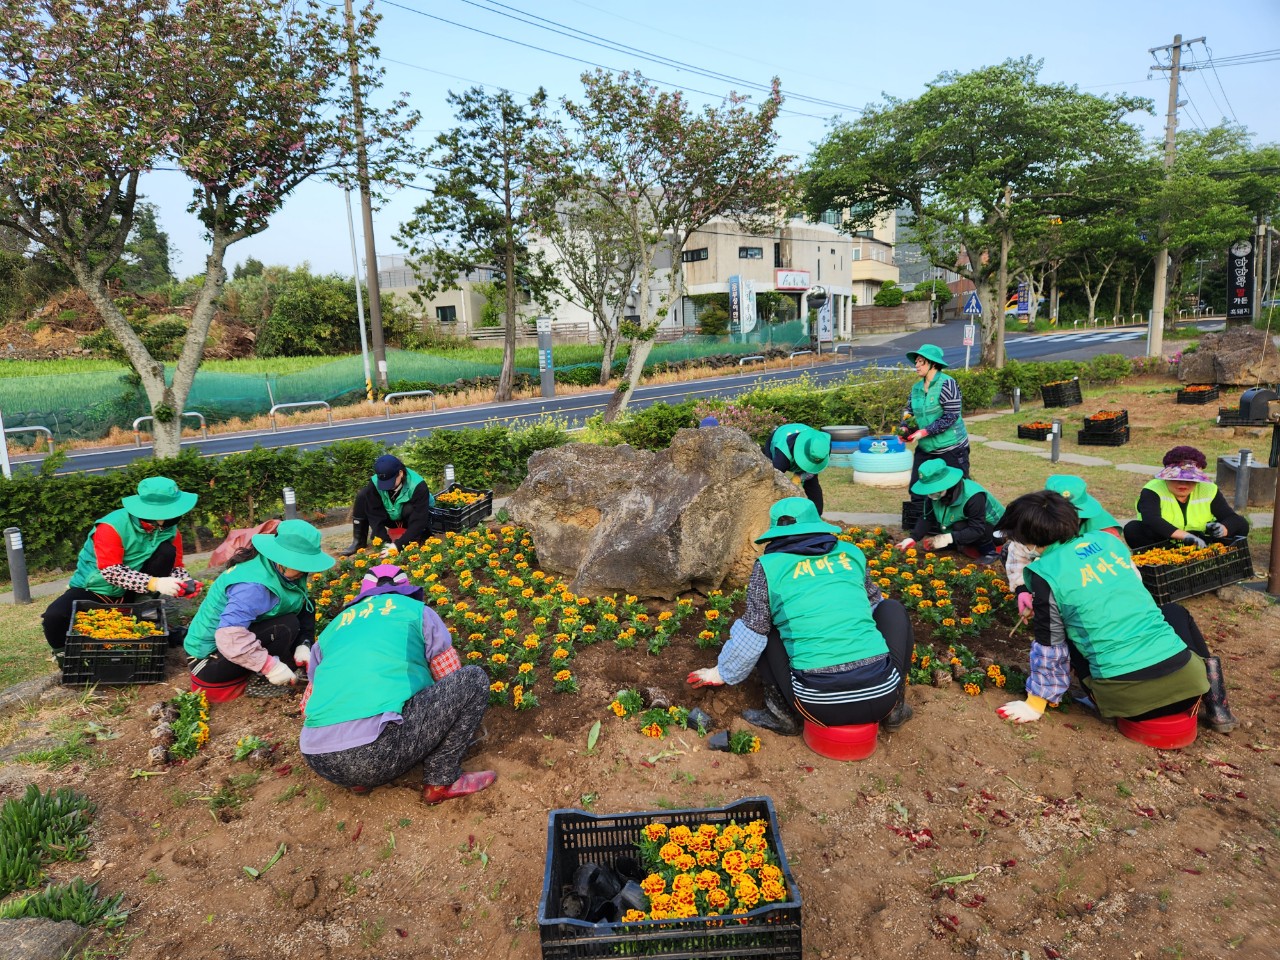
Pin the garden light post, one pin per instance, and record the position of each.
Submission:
(448, 475)
(1242, 482)
(1017, 399)
(290, 504)
(17, 565)
(1055, 437)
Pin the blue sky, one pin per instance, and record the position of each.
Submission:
(846, 53)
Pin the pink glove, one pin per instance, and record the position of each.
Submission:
(707, 677)
(906, 544)
(917, 435)
(1019, 711)
(1025, 603)
(280, 673)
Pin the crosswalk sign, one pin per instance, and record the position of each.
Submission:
(971, 306)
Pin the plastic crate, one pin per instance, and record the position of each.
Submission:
(457, 519)
(912, 510)
(116, 662)
(575, 837)
(1197, 396)
(1087, 438)
(1232, 417)
(1177, 581)
(1033, 433)
(1237, 564)
(1111, 425)
(1066, 394)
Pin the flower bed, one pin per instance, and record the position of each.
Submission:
(1198, 393)
(745, 904)
(115, 644)
(1036, 430)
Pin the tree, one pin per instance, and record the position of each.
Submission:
(144, 263)
(941, 293)
(245, 97)
(252, 267)
(972, 156)
(889, 295)
(496, 171)
(658, 170)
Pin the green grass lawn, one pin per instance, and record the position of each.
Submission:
(23, 651)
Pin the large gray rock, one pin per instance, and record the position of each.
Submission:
(617, 519)
(39, 939)
(1241, 356)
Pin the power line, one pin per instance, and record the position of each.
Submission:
(566, 56)
(1209, 51)
(1222, 113)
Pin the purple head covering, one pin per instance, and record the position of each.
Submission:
(388, 578)
(1184, 471)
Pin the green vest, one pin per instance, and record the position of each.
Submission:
(373, 659)
(290, 598)
(1199, 515)
(1107, 612)
(948, 514)
(393, 507)
(820, 607)
(139, 545)
(1098, 523)
(926, 408)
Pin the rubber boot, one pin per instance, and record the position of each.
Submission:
(1218, 713)
(899, 715)
(359, 537)
(777, 715)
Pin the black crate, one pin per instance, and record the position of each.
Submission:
(1170, 582)
(1237, 564)
(575, 837)
(458, 519)
(912, 510)
(1065, 394)
(1197, 396)
(1232, 417)
(1112, 425)
(1033, 433)
(1087, 438)
(116, 662)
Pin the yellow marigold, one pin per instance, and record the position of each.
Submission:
(562, 675)
(947, 621)
(717, 899)
(652, 730)
(655, 831)
(734, 863)
(706, 635)
(924, 604)
(924, 662)
(497, 686)
(526, 668)
(972, 689)
(475, 655)
(669, 851)
(664, 616)
(708, 880)
(531, 642)
(517, 695)
(498, 658)
(560, 654)
(966, 621)
(633, 916)
(708, 858)
(680, 834)
(713, 614)
(618, 709)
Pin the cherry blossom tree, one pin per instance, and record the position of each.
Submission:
(246, 98)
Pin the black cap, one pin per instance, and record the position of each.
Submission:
(387, 468)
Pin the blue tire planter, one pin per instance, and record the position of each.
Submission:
(882, 462)
(841, 460)
(885, 443)
(897, 478)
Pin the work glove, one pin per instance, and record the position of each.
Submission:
(1019, 711)
(390, 550)
(301, 655)
(918, 435)
(166, 586)
(1192, 540)
(906, 544)
(1025, 602)
(940, 541)
(280, 673)
(706, 677)
(1216, 530)
(189, 589)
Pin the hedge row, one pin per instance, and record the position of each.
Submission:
(54, 512)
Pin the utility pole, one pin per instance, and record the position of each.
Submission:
(366, 209)
(1155, 327)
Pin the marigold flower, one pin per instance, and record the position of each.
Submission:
(652, 730)
(560, 654)
(618, 709)
(526, 668)
(498, 659)
(972, 689)
(497, 686)
(713, 614)
(680, 834)
(655, 831)
(670, 850)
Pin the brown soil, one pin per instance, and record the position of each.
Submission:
(1060, 838)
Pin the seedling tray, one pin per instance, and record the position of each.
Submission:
(457, 519)
(1197, 396)
(1033, 433)
(912, 510)
(112, 663)
(575, 837)
(1118, 438)
(1177, 581)
(1066, 394)
(1232, 417)
(1111, 425)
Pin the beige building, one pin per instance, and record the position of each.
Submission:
(452, 312)
(872, 259)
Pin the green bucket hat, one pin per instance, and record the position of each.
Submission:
(803, 512)
(1075, 491)
(936, 476)
(931, 353)
(158, 498)
(295, 544)
(812, 450)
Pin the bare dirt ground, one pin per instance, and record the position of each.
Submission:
(960, 836)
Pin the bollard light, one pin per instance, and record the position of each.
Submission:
(17, 565)
(1242, 481)
(290, 504)
(1055, 438)
(448, 475)
(1017, 399)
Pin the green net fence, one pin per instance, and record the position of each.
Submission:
(86, 405)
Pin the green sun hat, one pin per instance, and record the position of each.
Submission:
(158, 498)
(930, 352)
(1074, 490)
(803, 512)
(295, 544)
(812, 451)
(936, 476)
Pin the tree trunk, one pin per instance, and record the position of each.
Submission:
(506, 378)
(609, 344)
(1119, 291)
(640, 350)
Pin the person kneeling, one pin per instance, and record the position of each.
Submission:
(388, 692)
(827, 646)
(394, 507)
(958, 512)
(1091, 615)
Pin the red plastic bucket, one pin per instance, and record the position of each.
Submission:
(856, 742)
(1163, 733)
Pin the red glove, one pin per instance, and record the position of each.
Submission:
(707, 677)
(917, 435)
(189, 588)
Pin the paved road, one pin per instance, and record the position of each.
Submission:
(578, 407)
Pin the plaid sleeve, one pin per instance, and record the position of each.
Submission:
(1016, 558)
(740, 652)
(1050, 674)
(445, 664)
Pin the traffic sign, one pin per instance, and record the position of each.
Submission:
(970, 334)
(972, 307)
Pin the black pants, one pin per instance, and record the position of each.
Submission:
(57, 616)
(1188, 631)
(369, 519)
(278, 635)
(957, 457)
(894, 625)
